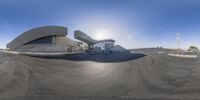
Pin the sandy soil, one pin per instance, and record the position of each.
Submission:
(153, 77)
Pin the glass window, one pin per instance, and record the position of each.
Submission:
(44, 40)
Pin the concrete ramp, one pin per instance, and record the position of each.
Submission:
(83, 37)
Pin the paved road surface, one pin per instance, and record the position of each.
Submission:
(153, 77)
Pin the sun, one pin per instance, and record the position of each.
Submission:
(101, 34)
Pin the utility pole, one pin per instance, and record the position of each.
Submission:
(178, 42)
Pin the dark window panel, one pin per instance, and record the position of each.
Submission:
(44, 40)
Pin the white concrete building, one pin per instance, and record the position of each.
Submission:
(104, 45)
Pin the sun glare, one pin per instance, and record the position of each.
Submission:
(101, 34)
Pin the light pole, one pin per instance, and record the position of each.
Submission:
(178, 42)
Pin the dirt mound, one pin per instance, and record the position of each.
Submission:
(118, 48)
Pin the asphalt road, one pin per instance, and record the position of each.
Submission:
(152, 77)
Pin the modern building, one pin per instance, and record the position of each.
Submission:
(107, 45)
(54, 39)
(44, 39)
(104, 45)
(84, 38)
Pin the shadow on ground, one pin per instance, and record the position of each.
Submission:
(101, 57)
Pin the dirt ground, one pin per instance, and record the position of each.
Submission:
(152, 77)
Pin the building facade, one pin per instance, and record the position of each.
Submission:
(104, 45)
(54, 39)
(98, 46)
(44, 39)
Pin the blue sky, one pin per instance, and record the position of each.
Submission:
(132, 23)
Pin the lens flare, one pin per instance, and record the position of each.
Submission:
(101, 34)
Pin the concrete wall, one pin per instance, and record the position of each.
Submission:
(42, 48)
(62, 40)
(69, 43)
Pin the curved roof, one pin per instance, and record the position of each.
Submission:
(37, 33)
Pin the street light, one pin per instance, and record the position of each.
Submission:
(178, 42)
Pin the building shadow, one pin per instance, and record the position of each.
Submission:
(101, 57)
